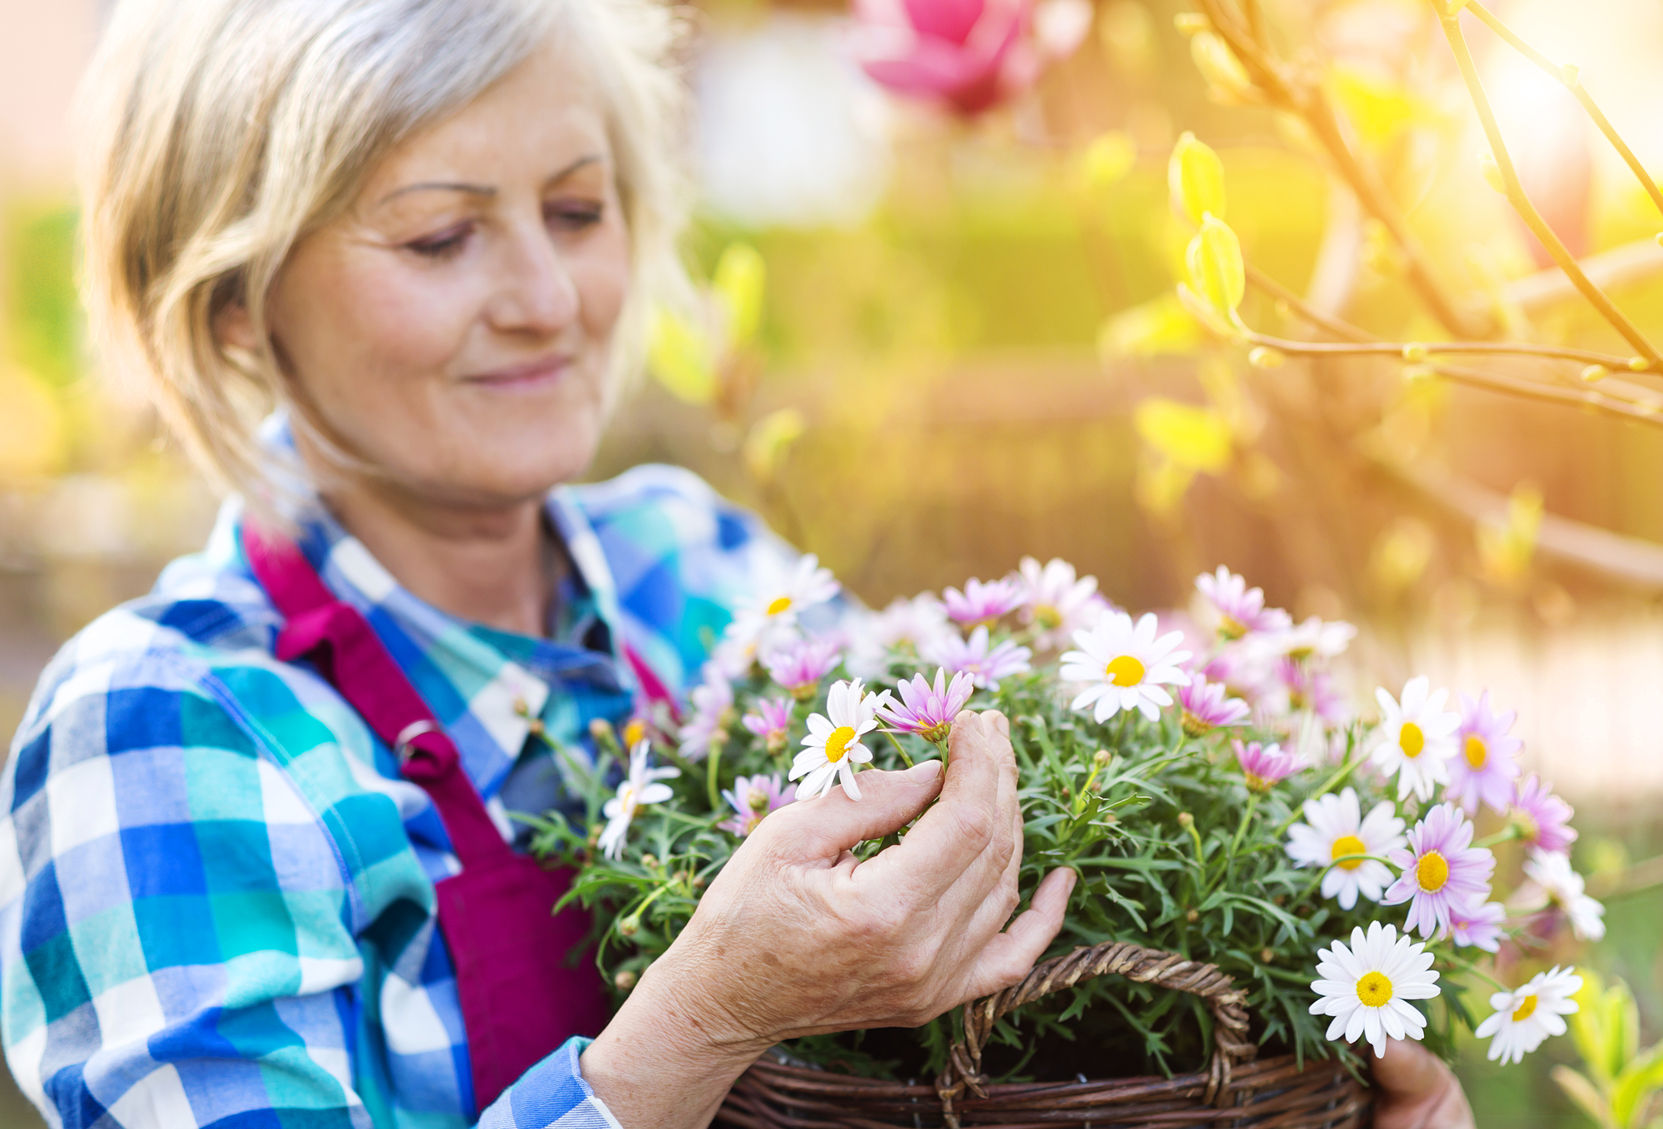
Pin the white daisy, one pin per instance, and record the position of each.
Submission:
(1315, 638)
(640, 787)
(759, 624)
(1335, 829)
(1551, 872)
(1526, 1016)
(1125, 666)
(1055, 600)
(833, 747)
(1416, 737)
(1367, 986)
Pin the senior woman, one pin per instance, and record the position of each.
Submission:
(256, 865)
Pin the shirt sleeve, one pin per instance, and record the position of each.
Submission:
(179, 928)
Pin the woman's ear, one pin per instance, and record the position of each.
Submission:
(233, 328)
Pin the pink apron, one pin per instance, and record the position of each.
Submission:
(520, 993)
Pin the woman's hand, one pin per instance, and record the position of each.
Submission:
(1417, 1091)
(796, 937)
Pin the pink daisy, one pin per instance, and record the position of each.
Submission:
(1478, 926)
(929, 711)
(982, 601)
(1265, 765)
(1544, 817)
(771, 722)
(712, 713)
(976, 656)
(1056, 601)
(1310, 690)
(1241, 610)
(1442, 871)
(1208, 706)
(752, 798)
(800, 666)
(1483, 768)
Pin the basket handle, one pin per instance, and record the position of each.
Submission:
(1227, 1003)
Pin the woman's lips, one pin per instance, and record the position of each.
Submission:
(532, 374)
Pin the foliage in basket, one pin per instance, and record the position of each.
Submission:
(1205, 776)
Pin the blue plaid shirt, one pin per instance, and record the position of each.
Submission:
(216, 893)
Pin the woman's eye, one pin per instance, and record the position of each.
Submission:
(441, 246)
(575, 216)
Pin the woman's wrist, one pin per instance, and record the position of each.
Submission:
(665, 1059)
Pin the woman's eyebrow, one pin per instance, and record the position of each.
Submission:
(484, 189)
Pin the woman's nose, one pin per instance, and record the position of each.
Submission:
(536, 291)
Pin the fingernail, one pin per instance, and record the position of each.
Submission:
(928, 770)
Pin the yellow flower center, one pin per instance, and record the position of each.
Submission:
(1374, 989)
(838, 743)
(780, 604)
(1411, 740)
(1476, 751)
(1047, 616)
(1231, 628)
(1432, 872)
(626, 798)
(1124, 670)
(757, 801)
(635, 732)
(1348, 845)
(1525, 1010)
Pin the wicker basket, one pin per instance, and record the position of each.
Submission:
(1236, 1089)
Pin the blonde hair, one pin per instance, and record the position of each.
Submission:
(219, 132)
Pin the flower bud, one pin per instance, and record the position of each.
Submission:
(600, 729)
(1101, 758)
(1594, 373)
(629, 926)
(1267, 956)
(1192, 916)
(1186, 820)
(650, 861)
(1638, 364)
(625, 980)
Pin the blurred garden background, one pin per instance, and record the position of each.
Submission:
(945, 332)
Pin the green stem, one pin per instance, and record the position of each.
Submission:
(1345, 770)
(1241, 828)
(1511, 831)
(712, 765)
(1468, 966)
(893, 740)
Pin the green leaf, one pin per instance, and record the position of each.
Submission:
(681, 356)
(1191, 437)
(1195, 177)
(1216, 270)
(1636, 1084)
(1583, 1095)
(739, 282)
(769, 439)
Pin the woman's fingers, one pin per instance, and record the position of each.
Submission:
(1418, 1091)
(949, 838)
(825, 827)
(1007, 957)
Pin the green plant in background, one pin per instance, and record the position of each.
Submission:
(1622, 1082)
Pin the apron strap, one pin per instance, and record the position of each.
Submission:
(352, 658)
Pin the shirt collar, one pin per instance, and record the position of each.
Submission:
(486, 699)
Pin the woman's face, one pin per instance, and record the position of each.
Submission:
(452, 328)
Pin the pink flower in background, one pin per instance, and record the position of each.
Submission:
(929, 710)
(1264, 765)
(771, 722)
(800, 666)
(753, 797)
(712, 711)
(1056, 601)
(977, 657)
(967, 54)
(982, 601)
(1310, 690)
(1546, 818)
(1478, 926)
(1208, 706)
(1443, 873)
(1483, 768)
(1241, 610)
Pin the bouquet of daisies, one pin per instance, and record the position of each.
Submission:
(1357, 872)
